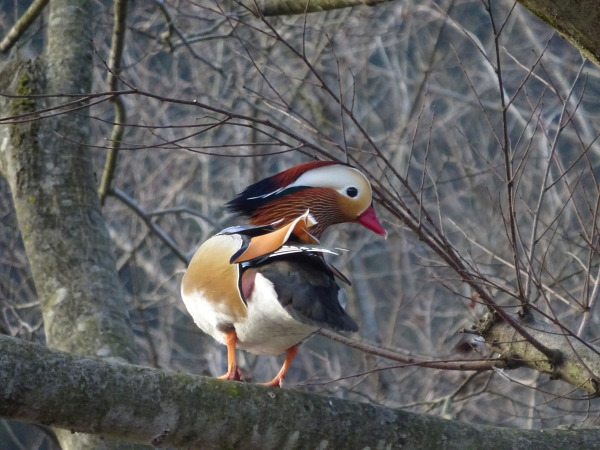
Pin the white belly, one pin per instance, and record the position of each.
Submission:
(266, 329)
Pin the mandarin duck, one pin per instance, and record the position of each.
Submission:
(265, 287)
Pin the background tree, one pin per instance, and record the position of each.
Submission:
(49, 172)
(476, 123)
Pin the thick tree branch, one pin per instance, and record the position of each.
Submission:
(169, 409)
(289, 7)
(576, 20)
(579, 364)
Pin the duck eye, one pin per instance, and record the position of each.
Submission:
(352, 192)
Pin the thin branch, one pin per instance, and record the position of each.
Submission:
(591, 306)
(123, 197)
(171, 27)
(508, 161)
(24, 22)
(478, 365)
(114, 68)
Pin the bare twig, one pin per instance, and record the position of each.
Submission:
(464, 364)
(114, 68)
(123, 197)
(511, 220)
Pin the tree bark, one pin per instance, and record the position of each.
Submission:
(578, 363)
(51, 178)
(170, 409)
(576, 20)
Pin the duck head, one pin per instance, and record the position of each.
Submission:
(332, 192)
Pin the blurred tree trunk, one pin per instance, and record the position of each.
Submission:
(53, 186)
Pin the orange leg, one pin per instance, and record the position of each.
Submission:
(233, 373)
(290, 353)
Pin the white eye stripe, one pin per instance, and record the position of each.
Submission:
(339, 178)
